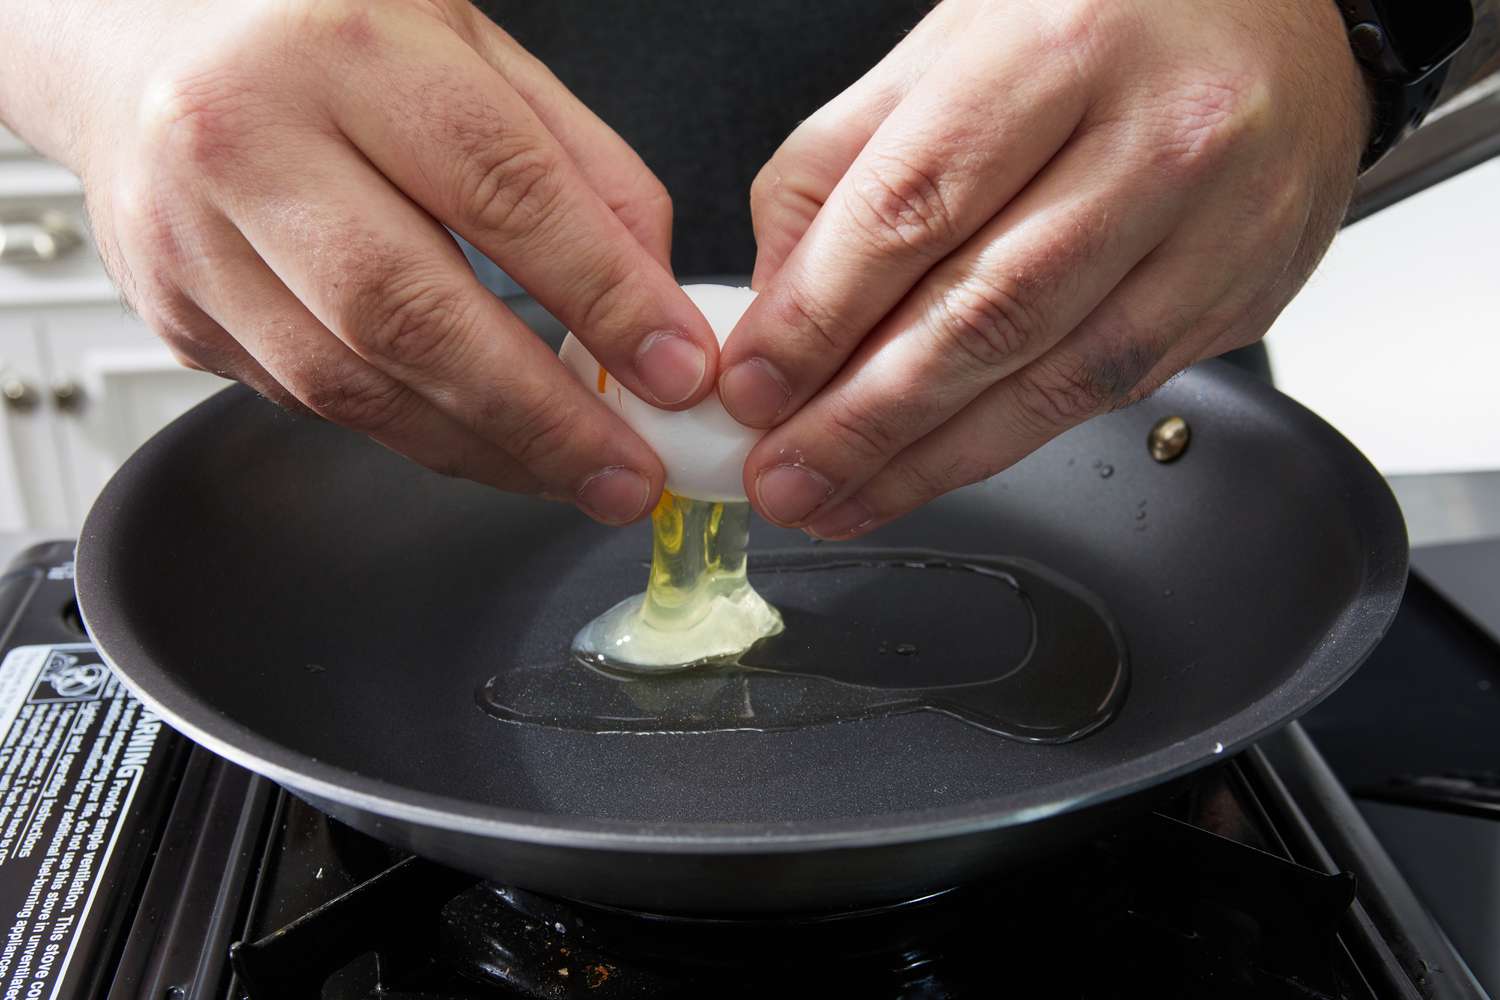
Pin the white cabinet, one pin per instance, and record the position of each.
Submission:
(81, 387)
(112, 384)
(32, 496)
(82, 382)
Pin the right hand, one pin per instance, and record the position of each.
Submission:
(269, 184)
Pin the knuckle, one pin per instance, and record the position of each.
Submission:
(1070, 28)
(921, 482)
(653, 196)
(650, 204)
(784, 208)
(899, 205)
(763, 187)
(1077, 38)
(866, 434)
(1117, 372)
(800, 311)
(990, 321)
(365, 403)
(1210, 123)
(644, 206)
(539, 433)
(411, 322)
(169, 317)
(631, 183)
(203, 119)
(512, 187)
(1054, 396)
(344, 23)
(606, 294)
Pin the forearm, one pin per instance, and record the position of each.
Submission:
(1479, 59)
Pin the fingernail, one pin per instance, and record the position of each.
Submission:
(670, 366)
(754, 392)
(788, 493)
(844, 519)
(616, 495)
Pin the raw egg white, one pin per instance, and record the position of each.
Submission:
(703, 449)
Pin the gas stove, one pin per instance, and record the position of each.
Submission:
(135, 865)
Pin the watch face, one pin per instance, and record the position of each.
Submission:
(1424, 34)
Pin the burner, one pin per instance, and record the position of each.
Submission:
(1165, 904)
(539, 946)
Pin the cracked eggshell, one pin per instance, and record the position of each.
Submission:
(703, 449)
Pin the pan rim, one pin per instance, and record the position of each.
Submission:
(1367, 615)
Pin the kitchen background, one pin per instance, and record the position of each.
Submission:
(1396, 341)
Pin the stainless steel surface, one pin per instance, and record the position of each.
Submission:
(1466, 573)
(1453, 864)
(1464, 136)
(68, 395)
(1449, 507)
(38, 238)
(18, 393)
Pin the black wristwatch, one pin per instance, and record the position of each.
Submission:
(1404, 46)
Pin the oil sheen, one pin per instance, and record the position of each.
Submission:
(1003, 645)
(698, 606)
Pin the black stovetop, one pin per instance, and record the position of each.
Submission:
(1198, 899)
(1258, 879)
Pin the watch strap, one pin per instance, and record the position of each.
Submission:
(1400, 108)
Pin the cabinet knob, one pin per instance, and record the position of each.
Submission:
(17, 392)
(38, 239)
(67, 395)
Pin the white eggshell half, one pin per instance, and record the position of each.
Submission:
(703, 449)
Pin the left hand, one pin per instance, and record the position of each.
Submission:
(1029, 213)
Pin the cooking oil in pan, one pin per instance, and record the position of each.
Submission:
(698, 607)
(1007, 646)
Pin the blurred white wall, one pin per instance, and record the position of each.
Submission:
(1396, 339)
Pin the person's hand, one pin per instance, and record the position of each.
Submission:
(1029, 213)
(269, 183)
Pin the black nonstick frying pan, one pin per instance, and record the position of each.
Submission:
(315, 608)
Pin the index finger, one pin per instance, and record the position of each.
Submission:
(463, 144)
(915, 192)
(388, 282)
(607, 161)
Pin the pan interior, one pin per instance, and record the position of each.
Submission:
(332, 608)
(1008, 647)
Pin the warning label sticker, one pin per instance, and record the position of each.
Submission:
(76, 746)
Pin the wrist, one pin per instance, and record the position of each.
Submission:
(1345, 87)
(29, 103)
(48, 87)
